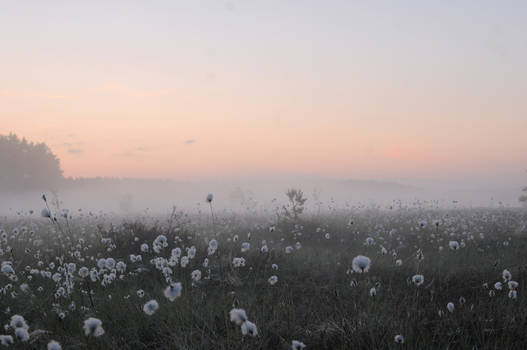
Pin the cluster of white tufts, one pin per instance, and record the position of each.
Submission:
(239, 317)
(238, 262)
(20, 328)
(93, 326)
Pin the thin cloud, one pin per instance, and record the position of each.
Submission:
(190, 141)
(136, 152)
(75, 150)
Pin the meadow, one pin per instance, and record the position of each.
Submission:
(360, 278)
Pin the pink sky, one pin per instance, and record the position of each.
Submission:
(197, 91)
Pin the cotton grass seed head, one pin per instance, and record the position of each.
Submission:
(18, 321)
(418, 280)
(151, 307)
(7, 269)
(22, 334)
(450, 307)
(297, 345)
(173, 291)
(361, 264)
(513, 285)
(399, 339)
(507, 276)
(238, 316)
(249, 328)
(54, 345)
(454, 245)
(196, 275)
(245, 247)
(93, 326)
(6, 340)
(272, 280)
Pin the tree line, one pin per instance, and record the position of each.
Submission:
(26, 166)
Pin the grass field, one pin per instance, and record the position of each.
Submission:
(56, 275)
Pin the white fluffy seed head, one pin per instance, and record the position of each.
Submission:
(507, 276)
(173, 291)
(297, 345)
(361, 264)
(6, 340)
(93, 326)
(18, 321)
(150, 307)
(249, 328)
(22, 334)
(450, 307)
(399, 339)
(454, 245)
(54, 345)
(238, 316)
(418, 280)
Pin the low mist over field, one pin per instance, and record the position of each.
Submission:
(282, 175)
(129, 196)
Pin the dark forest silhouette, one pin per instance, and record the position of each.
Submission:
(27, 166)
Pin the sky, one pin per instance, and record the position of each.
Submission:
(206, 89)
